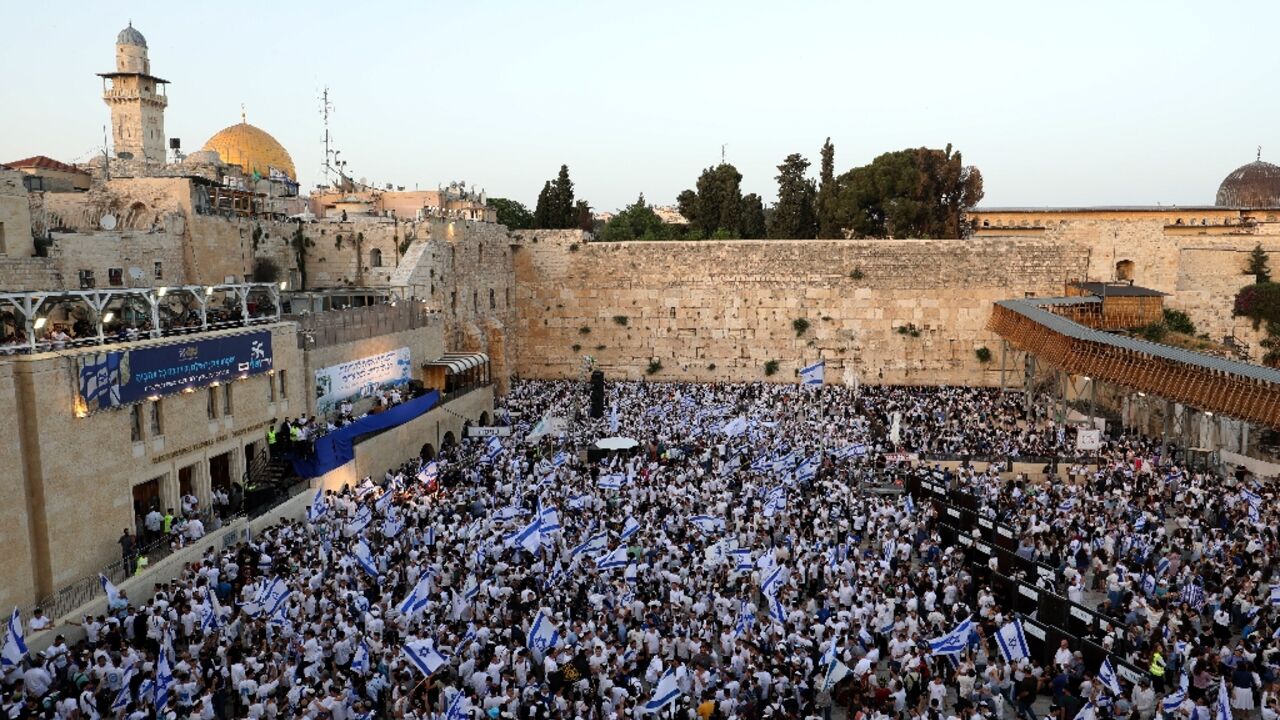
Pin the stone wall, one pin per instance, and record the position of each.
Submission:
(15, 216)
(880, 311)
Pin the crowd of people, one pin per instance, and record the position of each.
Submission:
(734, 564)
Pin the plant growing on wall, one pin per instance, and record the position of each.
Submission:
(856, 273)
(770, 367)
(337, 241)
(576, 347)
(300, 242)
(620, 319)
(599, 348)
(800, 325)
(909, 329)
(1257, 266)
(711, 366)
(983, 354)
(655, 366)
(584, 330)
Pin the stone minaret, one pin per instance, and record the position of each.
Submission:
(136, 100)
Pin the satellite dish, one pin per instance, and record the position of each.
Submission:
(108, 222)
(135, 273)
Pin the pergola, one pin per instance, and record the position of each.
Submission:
(1040, 327)
(34, 307)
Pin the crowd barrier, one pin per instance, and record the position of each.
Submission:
(1017, 583)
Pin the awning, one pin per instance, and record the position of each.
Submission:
(455, 363)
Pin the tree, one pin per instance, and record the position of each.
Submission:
(511, 213)
(542, 211)
(753, 224)
(918, 192)
(716, 204)
(828, 195)
(562, 209)
(1258, 265)
(793, 214)
(582, 216)
(636, 221)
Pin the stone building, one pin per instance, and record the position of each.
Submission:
(46, 174)
(137, 101)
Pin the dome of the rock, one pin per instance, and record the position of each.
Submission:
(253, 149)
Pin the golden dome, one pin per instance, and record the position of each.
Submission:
(253, 149)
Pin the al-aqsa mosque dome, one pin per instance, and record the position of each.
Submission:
(253, 149)
(1256, 185)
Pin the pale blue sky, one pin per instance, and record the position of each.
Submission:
(1057, 103)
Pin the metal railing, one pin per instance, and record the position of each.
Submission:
(335, 327)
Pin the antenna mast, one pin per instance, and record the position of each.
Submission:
(106, 159)
(325, 106)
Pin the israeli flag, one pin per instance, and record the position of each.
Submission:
(510, 512)
(1012, 641)
(561, 458)
(383, 503)
(100, 379)
(594, 544)
(429, 473)
(1087, 712)
(124, 696)
(1162, 567)
(543, 635)
(418, 597)
(745, 621)
(1107, 677)
(774, 502)
(742, 561)
(113, 594)
(271, 595)
(550, 518)
(1275, 594)
(773, 582)
(456, 710)
(1067, 505)
(616, 559)
(1224, 701)
(429, 537)
(707, 524)
(734, 427)
(392, 526)
(15, 643)
(1148, 584)
(954, 642)
(530, 536)
(423, 655)
(613, 419)
(209, 616)
(493, 448)
(629, 528)
(611, 482)
(317, 509)
(363, 517)
(910, 505)
(278, 614)
(1140, 522)
(836, 671)
(1177, 697)
(164, 679)
(365, 487)
(812, 375)
(364, 556)
(666, 692)
(360, 661)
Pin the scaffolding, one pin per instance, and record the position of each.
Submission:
(1044, 328)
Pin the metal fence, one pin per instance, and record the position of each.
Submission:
(335, 327)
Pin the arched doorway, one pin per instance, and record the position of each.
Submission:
(427, 453)
(1124, 270)
(448, 440)
(484, 419)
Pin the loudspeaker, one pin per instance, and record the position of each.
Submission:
(597, 394)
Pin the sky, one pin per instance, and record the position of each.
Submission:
(1058, 104)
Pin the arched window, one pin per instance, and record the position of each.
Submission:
(375, 258)
(1124, 270)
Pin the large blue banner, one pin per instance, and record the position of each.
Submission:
(123, 377)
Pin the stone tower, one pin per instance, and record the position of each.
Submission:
(137, 101)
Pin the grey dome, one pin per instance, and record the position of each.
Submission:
(1256, 185)
(129, 36)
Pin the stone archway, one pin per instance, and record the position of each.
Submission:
(1124, 270)
(484, 419)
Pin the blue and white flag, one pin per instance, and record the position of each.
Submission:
(746, 620)
(492, 449)
(210, 615)
(418, 597)
(423, 655)
(734, 427)
(561, 458)
(100, 379)
(429, 473)
(1107, 677)
(616, 559)
(383, 503)
(364, 487)
(364, 557)
(910, 505)
(15, 643)
(592, 545)
(270, 597)
(835, 672)
(954, 642)
(613, 419)
(360, 661)
(1275, 594)
(124, 696)
(1177, 697)
(742, 560)
(392, 526)
(1012, 641)
(1162, 567)
(543, 635)
(629, 528)
(1148, 584)
(530, 536)
(1193, 595)
(429, 536)
(772, 583)
(317, 509)
(1224, 702)
(113, 594)
(164, 679)
(550, 518)
(363, 517)
(459, 707)
(1087, 712)
(774, 502)
(666, 692)
(812, 375)
(1067, 505)
(707, 524)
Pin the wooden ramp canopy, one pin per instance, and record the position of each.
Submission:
(1041, 326)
